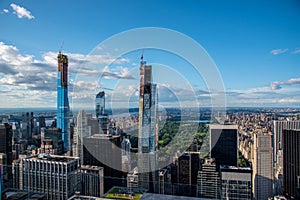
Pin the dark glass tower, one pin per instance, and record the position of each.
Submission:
(62, 117)
(291, 163)
(224, 144)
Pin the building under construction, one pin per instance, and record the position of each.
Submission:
(62, 117)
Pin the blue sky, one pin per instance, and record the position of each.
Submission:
(254, 44)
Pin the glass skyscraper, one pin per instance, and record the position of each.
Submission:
(147, 133)
(62, 117)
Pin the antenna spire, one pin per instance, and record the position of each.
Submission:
(61, 46)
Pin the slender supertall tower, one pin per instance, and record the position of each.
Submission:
(62, 117)
(147, 132)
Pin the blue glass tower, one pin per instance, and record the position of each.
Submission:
(62, 116)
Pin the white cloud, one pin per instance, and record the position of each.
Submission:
(297, 51)
(21, 11)
(278, 51)
(276, 85)
(22, 76)
(289, 101)
(5, 11)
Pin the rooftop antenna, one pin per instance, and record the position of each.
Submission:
(61, 46)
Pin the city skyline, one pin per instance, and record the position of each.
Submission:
(255, 47)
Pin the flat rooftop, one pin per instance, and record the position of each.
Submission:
(55, 158)
(103, 136)
(148, 196)
(223, 126)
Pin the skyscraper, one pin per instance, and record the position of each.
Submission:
(100, 112)
(100, 103)
(147, 132)
(263, 166)
(105, 151)
(6, 141)
(224, 144)
(291, 160)
(6, 150)
(62, 117)
(81, 130)
(279, 126)
(188, 165)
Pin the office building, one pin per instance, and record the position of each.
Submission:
(91, 180)
(147, 128)
(81, 130)
(101, 116)
(188, 165)
(291, 160)
(6, 141)
(27, 125)
(278, 127)
(105, 151)
(56, 176)
(47, 147)
(208, 180)
(51, 141)
(6, 155)
(224, 144)
(126, 155)
(100, 104)
(262, 166)
(3, 164)
(236, 183)
(62, 116)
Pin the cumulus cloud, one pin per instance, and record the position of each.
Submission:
(21, 12)
(278, 84)
(20, 72)
(278, 51)
(118, 73)
(5, 11)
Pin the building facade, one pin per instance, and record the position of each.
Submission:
(101, 116)
(262, 166)
(56, 176)
(105, 151)
(236, 183)
(224, 144)
(81, 130)
(91, 180)
(291, 159)
(208, 180)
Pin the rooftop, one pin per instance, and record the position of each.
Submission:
(55, 158)
(125, 193)
(103, 136)
(91, 167)
(222, 126)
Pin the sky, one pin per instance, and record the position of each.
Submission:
(254, 45)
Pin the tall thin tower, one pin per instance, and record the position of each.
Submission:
(62, 116)
(147, 132)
